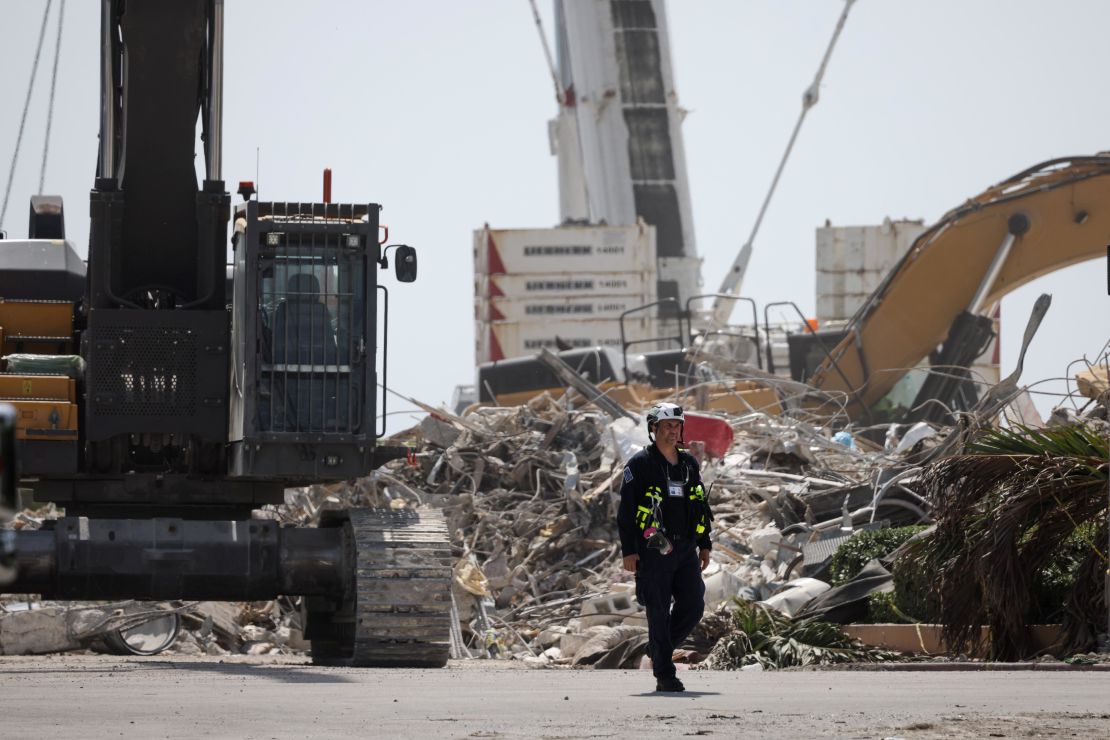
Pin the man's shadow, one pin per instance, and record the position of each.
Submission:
(678, 694)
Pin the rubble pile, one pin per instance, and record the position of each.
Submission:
(248, 628)
(531, 492)
(531, 495)
(36, 627)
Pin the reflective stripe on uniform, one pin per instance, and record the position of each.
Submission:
(697, 495)
(653, 497)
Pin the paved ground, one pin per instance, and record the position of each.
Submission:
(99, 696)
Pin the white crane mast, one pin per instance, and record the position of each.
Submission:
(618, 134)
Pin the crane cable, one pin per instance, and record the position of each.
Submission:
(26, 107)
(53, 86)
(722, 307)
(559, 94)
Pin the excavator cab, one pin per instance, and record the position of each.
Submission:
(304, 379)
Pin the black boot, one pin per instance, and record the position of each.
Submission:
(669, 684)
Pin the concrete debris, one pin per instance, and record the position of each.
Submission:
(130, 627)
(147, 628)
(795, 594)
(531, 492)
(620, 647)
(1094, 383)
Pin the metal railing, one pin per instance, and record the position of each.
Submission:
(824, 349)
(723, 332)
(626, 343)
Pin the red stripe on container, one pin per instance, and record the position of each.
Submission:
(494, 265)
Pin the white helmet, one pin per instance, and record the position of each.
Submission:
(663, 411)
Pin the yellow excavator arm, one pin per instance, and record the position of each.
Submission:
(1056, 213)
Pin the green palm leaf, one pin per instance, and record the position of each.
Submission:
(772, 640)
(1002, 510)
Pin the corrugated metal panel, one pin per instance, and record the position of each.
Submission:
(565, 285)
(562, 250)
(853, 260)
(847, 282)
(555, 307)
(865, 247)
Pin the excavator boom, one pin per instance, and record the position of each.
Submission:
(1056, 213)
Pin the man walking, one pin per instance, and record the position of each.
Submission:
(663, 520)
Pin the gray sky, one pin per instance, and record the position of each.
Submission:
(439, 109)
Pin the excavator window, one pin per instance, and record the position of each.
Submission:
(310, 320)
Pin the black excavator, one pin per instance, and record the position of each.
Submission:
(161, 404)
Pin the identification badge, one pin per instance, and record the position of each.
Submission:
(675, 490)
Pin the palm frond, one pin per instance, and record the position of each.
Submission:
(1063, 441)
(1002, 510)
(765, 637)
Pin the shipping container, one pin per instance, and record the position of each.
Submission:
(556, 307)
(568, 249)
(852, 262)
(500, 340)
(565, 285)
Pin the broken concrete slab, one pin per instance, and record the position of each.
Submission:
(34, 629)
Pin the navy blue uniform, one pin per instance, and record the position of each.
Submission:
(670, 498)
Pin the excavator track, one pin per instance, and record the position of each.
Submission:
(397, 612)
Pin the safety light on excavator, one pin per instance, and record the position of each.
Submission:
(273, 239)
(353, 241)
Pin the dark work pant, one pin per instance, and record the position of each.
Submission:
(658, 579)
